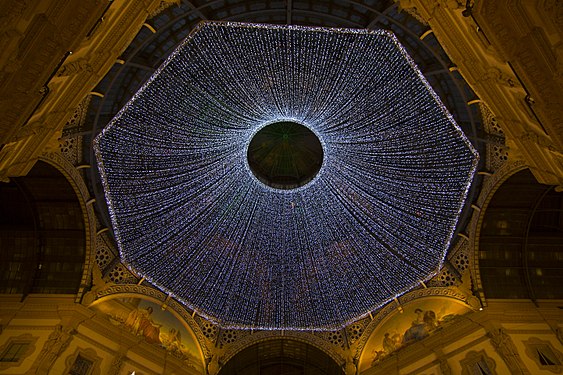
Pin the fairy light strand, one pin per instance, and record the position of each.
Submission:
(190, 217)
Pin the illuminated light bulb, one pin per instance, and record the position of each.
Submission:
(190, 216)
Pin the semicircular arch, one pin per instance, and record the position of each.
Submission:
(414, 318)
(159, 322)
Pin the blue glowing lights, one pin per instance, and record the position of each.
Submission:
(189, 215)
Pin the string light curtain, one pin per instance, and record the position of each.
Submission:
(189, 215)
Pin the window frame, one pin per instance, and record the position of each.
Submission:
(475, 357)
(25, 338)
(534, 345)
(88, 354)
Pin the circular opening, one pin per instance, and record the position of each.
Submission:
(285, 155)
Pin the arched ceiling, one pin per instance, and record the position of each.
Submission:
(165, 30)
(148, 50)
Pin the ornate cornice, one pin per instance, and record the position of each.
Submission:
(51, 107)
(481, 45)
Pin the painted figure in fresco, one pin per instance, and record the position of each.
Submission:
(389, 343)
(425, 322)
(132, 321)
(430, 320)
(148, 327)
(172, 340)
(419, 317)
(140, 322)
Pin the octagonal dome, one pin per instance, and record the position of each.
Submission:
(190, 216)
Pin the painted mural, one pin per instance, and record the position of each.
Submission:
(157, 326)
(419, 319)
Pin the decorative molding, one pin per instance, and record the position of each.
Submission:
(71, 149)
(445, 367)
(505, 347)
(105, 252)
(132, 290)
(118, 273)
(88, 354)
(75, 67)
(164, 4)
(472, 358)
(76, 122)
(56, 344)
(25, 338)
(534, 345)
(209, 329)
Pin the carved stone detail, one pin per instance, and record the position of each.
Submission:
(445, 367)
(504, 346)
(71, 149)
(56, 343)
(466, 289)
(105, 253)
(533, 345)
(162, 6)
(116, 364)
(209, 329)
(355, 330)
(472, 358)
(75, 67)
(121, 275)
(76, 122)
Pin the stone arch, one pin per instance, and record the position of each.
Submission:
(271, 339)
(74, 178)
(490, 185)
(164, 302)
(434, 307)
(262, 336)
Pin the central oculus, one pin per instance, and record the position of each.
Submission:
(284, 177)
(285, 155)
